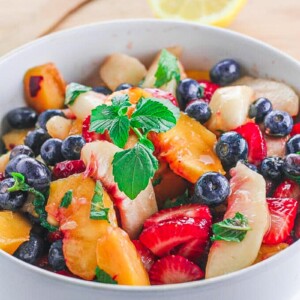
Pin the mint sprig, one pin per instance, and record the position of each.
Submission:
(103, 277)
(73, 90)
(39, 201)
(231, 230)
(167, 69)
(98, 211)
(67, 199)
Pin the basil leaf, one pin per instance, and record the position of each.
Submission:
(98, 211)
(102, 276)
(73, 91)
(231, 230)
(133, 168)
(156, 115)
(106, 117)
(167, 69)
(67, 199)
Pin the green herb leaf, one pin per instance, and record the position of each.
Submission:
(102, 276)
(121, 101)
(67, 199)
(181, 200)
(167, 69)
(133, 168)
(98, 211)
(74, 90)
(39, 201)
(231, 230)
(156, 181)
(156, 115)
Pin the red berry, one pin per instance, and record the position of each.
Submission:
(288, 189)
(90, 136)
(192, 250)
(297, 227)
(160, 94)
(1, 176)
(147, 257)
(257, 149)
(283, 213)
(209, 89)
(174, 269)
(67, 168)
(295, 130)
(54, 236)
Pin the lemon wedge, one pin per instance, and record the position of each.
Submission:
(214, 12)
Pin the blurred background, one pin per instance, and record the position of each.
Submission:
(273, 21)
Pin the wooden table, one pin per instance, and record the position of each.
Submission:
(272, 21)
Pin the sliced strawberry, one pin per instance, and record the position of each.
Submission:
(257, 149)
(190, 211)
(157, 93)
(283, 213)
(166, 235)
(147, 257)
(90, 136)
(295, 130)
(192, 250)
(209, 89)
(67, 168)
(288, 189)
(174, 269)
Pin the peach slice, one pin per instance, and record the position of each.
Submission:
(14, 138)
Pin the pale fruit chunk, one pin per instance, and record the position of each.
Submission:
(59, 127)
(117, 256)
(14, 138)
(276, 145)
(14, 230)
(98, 156)
(85, 103)
(171, 85)
(282, 96)
(247, 197)
(229, 106)
(120, 68)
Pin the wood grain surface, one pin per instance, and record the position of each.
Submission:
(275, 22)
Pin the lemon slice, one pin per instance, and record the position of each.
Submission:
(213, 12)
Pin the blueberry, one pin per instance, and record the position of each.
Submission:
(11, 200)
(293, 144)
(12, 164)
(45, 116)
(250, 166)
(278, 123)
(102, 90)
(22, 117)
(123, 86)
(35, 139)
(230, 148)
(199, 110)
(187, 90)
(271, 168)
(225, 72)
(37, 174)
(31, 250)
(259, 109)
(56, 256)
(212, 189)
(291, 165)
(51, 152)
(71, 147)
(21, 149)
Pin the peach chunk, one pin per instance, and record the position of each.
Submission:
(117, 256)
(267, 251)
(14, 138)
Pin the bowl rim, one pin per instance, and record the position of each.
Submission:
(170, 287)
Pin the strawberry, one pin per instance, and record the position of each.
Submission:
(257, 149)
(209, 89)
(283, 213)
(166, 235)
(91, 136)
(295, 130)
(288, 189)
(297, 228)
(174, 269)
(160, 94)
(189, 210)
(192, 250)
(67, 168)
(147, 257)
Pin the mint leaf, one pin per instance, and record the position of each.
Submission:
(147, 143)
(73, 91)
(67, 199)
(156, 115)
(180, 200)
(156, 181)
(39, 201)
(106, 117)
(102, 276)
(231, 230)
(121, 101)
(133, 168)
(98, 211)
(167, 69)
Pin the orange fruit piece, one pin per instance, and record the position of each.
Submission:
(267, 251)
(14, 230)
(118, 257)
(14, 138)
(198, 75)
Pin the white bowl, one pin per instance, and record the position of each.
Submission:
(78, 53)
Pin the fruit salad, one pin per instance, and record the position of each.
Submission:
(155, 176)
